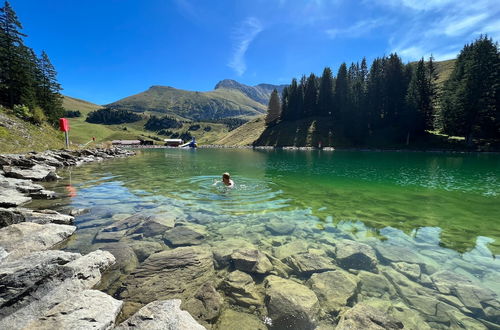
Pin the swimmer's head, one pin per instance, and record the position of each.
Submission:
(226, 176)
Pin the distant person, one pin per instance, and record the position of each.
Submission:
(226, 180)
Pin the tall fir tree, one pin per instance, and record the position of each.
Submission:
(341, 97)
(310, 96)
(49, 95)
(325, 94)
(274, 108)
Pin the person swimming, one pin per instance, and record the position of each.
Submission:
(226, 180)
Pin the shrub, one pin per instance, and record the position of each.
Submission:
(72, 114)
(38, 116)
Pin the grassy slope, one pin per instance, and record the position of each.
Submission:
(18, 136)
(192, 105)
(244, 135)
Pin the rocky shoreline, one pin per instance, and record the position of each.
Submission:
(43, 288)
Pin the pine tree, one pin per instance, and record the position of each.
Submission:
(49, 96)
(341, 94)
(469, 103)
(284, 114)
(310, 96)
(274, 108)
(325, 94)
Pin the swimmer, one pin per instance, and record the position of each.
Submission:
(226, 180)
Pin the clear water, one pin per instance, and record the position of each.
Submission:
(444, 207)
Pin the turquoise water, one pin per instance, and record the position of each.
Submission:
(444, 207)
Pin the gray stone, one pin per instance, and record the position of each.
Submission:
(280, 227)
(241, 289)
(147, 224)
(27, 237)
(375, 285)
(223, 249)
(363, 316)
(290, 305)
(69, 278)
(183, 236)
(37, 172)
(334, 289)
(46, 216)
(89, 309)
(411, 319)
(43, 194)
(12, 198)
(307, 263)
(396, 253)
(143, 249)
(294, 247)
(76, 212)
(161, 315)
(354, 255)
(9, 217)
(231, 319)
(24, 186)
(109, 236)
(251, 261)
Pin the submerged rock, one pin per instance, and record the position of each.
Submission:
(206, 304)
(410, 270)
(375, 285)
(307, 263)
(363, 316)
(396, 253)
(27, 237)
(354, 255)
(241, 289)
(277, 227)
(334, 289)
(146, 224)
(143, 249)
(290, 305)
(176, 273)
(288, 249)
(88, 309)
(223, 249)
(163, 314)
(183, 236)
(251, 261)
(242, 321)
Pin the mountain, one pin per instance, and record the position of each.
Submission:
(260, 93)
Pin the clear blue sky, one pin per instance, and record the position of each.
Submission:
(104, 50)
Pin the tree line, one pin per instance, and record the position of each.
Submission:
(108, 116)
(401, 101)
(28, 83)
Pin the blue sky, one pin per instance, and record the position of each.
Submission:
(104, 50)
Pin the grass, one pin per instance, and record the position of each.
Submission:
(244, 135)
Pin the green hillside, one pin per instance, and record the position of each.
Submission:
(244, 135)
(17, 135)
(197, 106)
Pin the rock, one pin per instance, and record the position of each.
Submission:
(363, 316)
(334, 289)
(12, 198)
(241, 289)
(144, 249)
(109, 236)
(206, 303)
(307, 263)
(46, 216)
(125, 262)
(24, 186)
(396, 253)
(473, 296)
(89, 309)
(159, 315)
(49, 290)
(9, 217)
(290, 305)
(445, 281)
(176, 273)
(376, 285)
(411, 319)
(43, 194)
(76, 212)
(183, 236)
(144, 223)
(231, 319)
(294, 247)
(223, 249)
(251, 261)
(37, 172)
(27, 237)
(354, 255)
(280, 227)
(412, 271)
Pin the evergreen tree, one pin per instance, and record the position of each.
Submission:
(284, 104)
(325, 94)
(470, 105)
(295, 100)
(341, 94)
(274, 108)
(417, 102)
(49, 97)
(310, 96)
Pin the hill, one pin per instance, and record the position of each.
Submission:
(17, 135)
(244, 135)
(197, 106)
(260, 93)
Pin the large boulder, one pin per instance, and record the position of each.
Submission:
(288, 249)
(334, 289)
(88, 309)
(279, 227)
(24, 186)
(37, 172)
(146, 224)
(290, 305)
(27, 237)
(397, 253)
(231, 319)
(46, 216)
(363, 316)
(160, 315)
(47, 290)
(206, 304)
(9, 217)
(354, 255)
(251, 261)
(241, 289)
(223, 249)
(307, 263)
(177, 273)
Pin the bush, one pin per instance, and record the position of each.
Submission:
(22, 111)
(72, 114)
(194, 127)
(38, 116)
(109, 116)
(207, 128)
(165, 132)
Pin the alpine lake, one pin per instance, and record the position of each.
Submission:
(302, 238)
